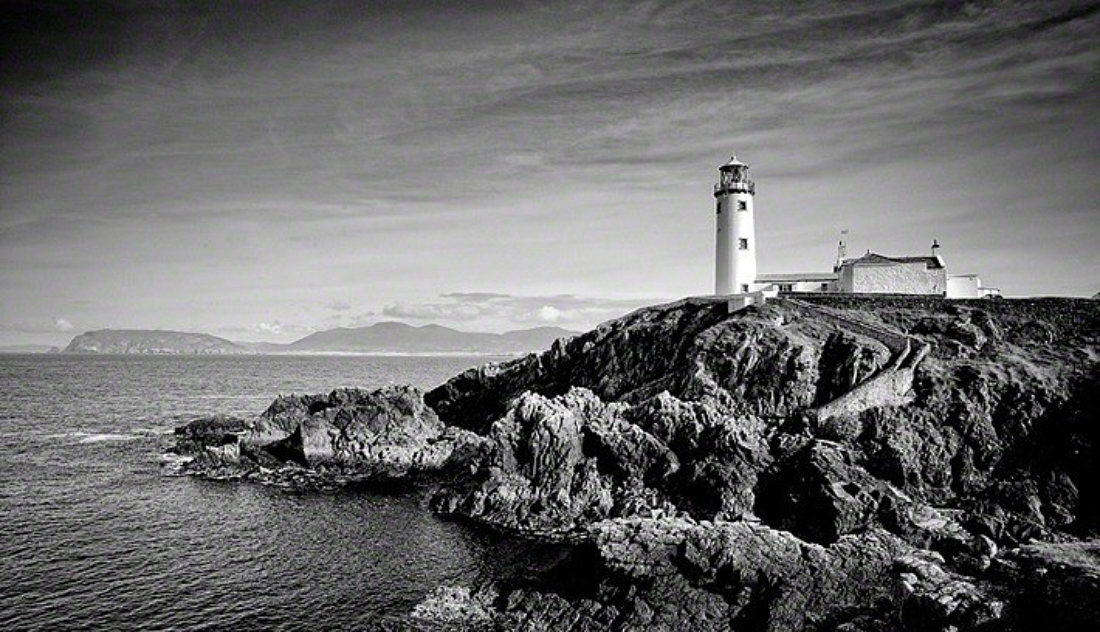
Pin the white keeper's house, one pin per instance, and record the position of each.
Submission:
(735, 257)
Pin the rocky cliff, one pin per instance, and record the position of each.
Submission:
(834, 463)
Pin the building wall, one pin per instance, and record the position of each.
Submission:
(900, 278)
(735, 268)
(804, 286)
(968, 286)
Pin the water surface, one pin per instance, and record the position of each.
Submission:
(94, 536)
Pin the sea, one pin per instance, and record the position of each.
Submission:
(96, 535)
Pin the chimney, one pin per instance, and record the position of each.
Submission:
(936, 252)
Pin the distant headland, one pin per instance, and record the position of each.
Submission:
(386, 338)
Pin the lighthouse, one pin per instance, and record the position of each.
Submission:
(735, 249)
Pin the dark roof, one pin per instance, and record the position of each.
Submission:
(795, 276)
(873, 259)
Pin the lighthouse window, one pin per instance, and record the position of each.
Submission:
(742, 205)
(743, 244)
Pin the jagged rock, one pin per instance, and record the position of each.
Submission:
(671, 574)
(386, 425)
(931, 598)
(846, 362)
(715, 389)
(215, 431)
(456, 607)
(551, 463)
(758, 363)
(397, 412)
(821, 493)
(348, 435)
(719, 478)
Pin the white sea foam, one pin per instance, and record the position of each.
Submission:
(172, 464)
(153, 432)
(106, 436)
(172, 457)
(81, 436)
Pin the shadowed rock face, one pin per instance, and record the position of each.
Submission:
(770, 362)
(673, 574)
(1055, 586)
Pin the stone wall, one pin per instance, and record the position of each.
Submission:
(900, 278)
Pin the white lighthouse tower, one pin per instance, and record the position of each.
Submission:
(735, 250)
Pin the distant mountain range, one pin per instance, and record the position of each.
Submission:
(381, 338)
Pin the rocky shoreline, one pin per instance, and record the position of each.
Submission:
(823, 463)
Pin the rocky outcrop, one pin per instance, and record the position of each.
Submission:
(954, 431)
(209, 432)
(676, 574)
(553, 463)
(965, 394)
(348, 435)
(831, 463)
(348, 426)
(456, 607)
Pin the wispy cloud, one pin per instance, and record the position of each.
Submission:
(491, 310)
(55, 324)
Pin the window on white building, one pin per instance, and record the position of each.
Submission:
(742, 205)
(744, 288)
(743, 243)
(786, 287)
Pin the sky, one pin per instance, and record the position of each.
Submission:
(262, 170)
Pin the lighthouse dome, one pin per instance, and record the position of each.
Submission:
(733, 162)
